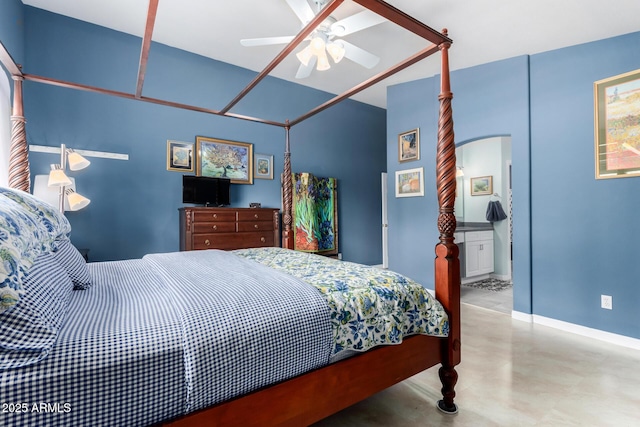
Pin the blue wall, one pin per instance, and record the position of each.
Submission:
(12, 29)
(585, 230)
(134, 207)
(574, 236)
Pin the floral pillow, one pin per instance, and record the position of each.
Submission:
(54, 221)
(22, 238)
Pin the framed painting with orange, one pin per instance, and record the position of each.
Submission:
(410, 182)
(617, 126)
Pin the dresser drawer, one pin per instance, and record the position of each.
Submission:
(203, 216)
(229, 241)
(255, 226)
(261, 215)
(473, 236)
(214, 227)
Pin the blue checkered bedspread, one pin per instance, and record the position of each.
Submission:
(155, 338)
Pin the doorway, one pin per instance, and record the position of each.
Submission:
(488, 161)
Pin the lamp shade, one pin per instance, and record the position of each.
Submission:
(323, 61)
(51, 195)
(57, 177)
(76, 201)
(336, 50)
(76, 161)
(304, 56)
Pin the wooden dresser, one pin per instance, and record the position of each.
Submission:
(228, 228)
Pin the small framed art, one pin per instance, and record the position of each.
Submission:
(617, 126)
(409, 146)
(263, 166)
(179, 156)
(219, 158)
(410, 182)
(481, 185)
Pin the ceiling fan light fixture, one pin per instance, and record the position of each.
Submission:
(323, 61)
(317, 45)
(305, 55)
(336, 50)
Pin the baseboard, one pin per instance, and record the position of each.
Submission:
(584, 331)
(588, 332)
(524, 317)
(504, 277)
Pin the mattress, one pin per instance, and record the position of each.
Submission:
(162, 336)
(118, 360)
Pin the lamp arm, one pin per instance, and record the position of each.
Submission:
(63, 164)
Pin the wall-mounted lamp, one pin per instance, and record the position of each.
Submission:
(459, 171)
(59, 179)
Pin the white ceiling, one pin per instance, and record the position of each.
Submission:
(482, 31)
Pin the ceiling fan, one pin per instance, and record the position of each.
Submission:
(325, 38)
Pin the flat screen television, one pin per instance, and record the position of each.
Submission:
(202, 190)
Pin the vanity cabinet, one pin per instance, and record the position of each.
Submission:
(478, 251)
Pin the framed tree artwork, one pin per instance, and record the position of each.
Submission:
(220, 158)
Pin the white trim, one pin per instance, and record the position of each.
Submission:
(597, 334)
(524, 317)
(87, 153)
(588, 332)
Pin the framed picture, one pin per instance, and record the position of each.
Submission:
(179, 156)
(410, 182)
(264, 166)
(617, 126)
(481, 185)
(224, 159)
(409, 146)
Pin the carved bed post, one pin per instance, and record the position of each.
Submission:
(447, 264)
(19, 151)
(287, 235)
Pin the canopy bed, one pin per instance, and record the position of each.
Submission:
(306, 392)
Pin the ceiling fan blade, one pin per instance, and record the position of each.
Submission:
(302, 10)
(304, 71)
(357, 22)
(263, 41)
(359, 56)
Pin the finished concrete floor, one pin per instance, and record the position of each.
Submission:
(514, 374)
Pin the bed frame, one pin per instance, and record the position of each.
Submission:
(313, 396)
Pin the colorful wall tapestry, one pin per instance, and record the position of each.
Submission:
(315, 214)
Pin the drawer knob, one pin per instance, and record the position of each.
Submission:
(262, 239)
(255, 226)
(215, 215)
(207, 242)
(215, 227)
(255, 215)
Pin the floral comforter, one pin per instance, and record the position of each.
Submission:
(369, 306)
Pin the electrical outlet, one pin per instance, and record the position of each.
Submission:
(606, 301)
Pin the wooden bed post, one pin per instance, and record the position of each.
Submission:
(447, 264)
(287, 235)
(19, 151)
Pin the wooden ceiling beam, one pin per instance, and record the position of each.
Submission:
(308, 29)
(94, 89)
(146, 45)
(370, 82)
